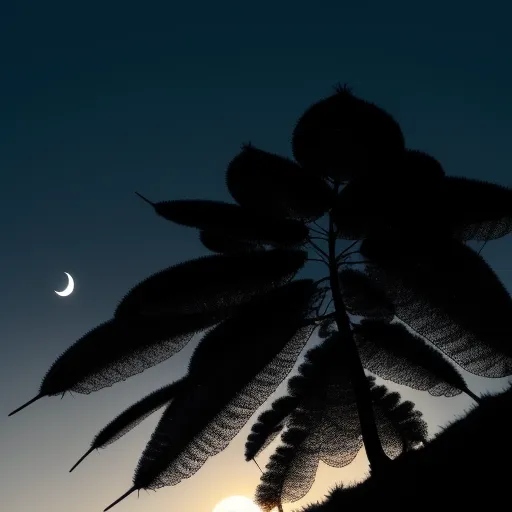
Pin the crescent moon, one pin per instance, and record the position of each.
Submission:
(69, 288)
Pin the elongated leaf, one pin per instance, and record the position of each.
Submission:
(344, 136)
(204, 421)
(393, 353)
(270, 423)
(259, 328)
(290, 473)
(477, 210)
(116, 350)
(234, 221)
(401, 427)
(362, 298)
(277, 186)
(217, 242)
(211, 283)
(448, 294)
(132, 416)
(389, 206)
(223, 395)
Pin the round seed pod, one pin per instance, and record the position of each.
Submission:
(343, 136)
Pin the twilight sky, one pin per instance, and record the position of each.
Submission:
(99, 99)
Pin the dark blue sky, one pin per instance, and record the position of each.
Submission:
(99, 99)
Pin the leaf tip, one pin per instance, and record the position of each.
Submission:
(82, 458)
(145, 199)
(37, 397)
(126, 494)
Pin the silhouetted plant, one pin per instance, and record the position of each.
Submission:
(459, 467)
(353, 179)
(320, 414)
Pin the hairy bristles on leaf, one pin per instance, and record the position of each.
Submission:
(291, 470)
(132, 416)
(475, 209)
(234, 369)
(393, 353)
(224, 350)
(211, 283)
(217, 242)
(362, 298)
(234, 221)
(269, 424)
(342, 88)
(274, 185)
(447, 293)
(343, 136)
(323, 426)
(116, 350)
(400, 426)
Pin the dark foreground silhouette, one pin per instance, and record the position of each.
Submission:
(464, 466)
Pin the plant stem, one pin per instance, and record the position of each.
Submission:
(376, 456)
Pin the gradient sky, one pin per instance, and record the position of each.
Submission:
(99, 99)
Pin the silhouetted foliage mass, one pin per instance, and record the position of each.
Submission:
(418, 295)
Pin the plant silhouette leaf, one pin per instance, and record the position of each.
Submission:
(270, 423)
(132, 416)
(390, 205)
(116, 350)
(476, 209)
(229, 379)
(291, 470)
(401, 427)
(211, 283)
(233, 220)
(343, 136)
(393, 353)
(217, 242)
(277, 186)
(447, 293)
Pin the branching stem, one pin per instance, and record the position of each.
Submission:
(376, 456)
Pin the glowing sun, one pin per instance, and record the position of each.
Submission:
(236, 504)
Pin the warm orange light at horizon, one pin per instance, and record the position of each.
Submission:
(236, 504)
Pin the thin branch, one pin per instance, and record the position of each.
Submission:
(376, 455)
(322, 280)
(325, 232)
(482, 247)
(317, 259)
(327, 307)
(343, 253)
(318, 232)
(321, 251)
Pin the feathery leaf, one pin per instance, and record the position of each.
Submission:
(477, 210)
(211, 283)
(393, 353)
(234, 221)
(405, 201)
(269, 424)
(218, 242)
(447, 293)
(116, 350)
(262, 343)
(132, 416)
(290, 473)
(401, 427)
